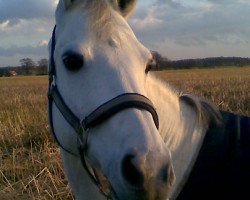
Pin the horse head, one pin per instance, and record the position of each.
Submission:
(97, 57)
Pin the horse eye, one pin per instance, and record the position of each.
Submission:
(73, 61)
(150, 65)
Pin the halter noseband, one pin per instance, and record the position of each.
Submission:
(98, 116)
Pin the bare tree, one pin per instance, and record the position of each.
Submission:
(42, 66)
(28, 65)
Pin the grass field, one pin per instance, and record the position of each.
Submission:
(227, 88)
(30, 167)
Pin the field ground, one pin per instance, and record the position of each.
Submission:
(30, 167)
(227, 88)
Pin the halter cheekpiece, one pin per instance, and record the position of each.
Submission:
(98, 116)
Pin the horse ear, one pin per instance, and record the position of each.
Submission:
(126, 6)
(206, 112)
(67, 3)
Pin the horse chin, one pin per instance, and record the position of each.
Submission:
(160, 193)
(137, 194)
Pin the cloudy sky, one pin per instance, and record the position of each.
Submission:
(176, 28)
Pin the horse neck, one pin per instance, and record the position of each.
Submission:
(179, 128)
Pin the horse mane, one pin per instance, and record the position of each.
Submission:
(206, 112)
(166, 100)
(179, 113)
(184, 121)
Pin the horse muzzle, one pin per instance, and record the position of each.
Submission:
(143, 179)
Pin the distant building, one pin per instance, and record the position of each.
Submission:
(12, 73)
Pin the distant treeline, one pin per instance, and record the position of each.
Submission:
(162, 63)
(27, 67)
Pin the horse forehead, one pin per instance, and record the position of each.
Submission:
(98, 18)
(100, 25)
(106, 35)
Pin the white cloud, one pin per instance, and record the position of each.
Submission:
(26, 32)
(43, 43)
(206, 6)
(25, 27)
(25, 9)
(4, 25)
(24, 50)
(55, 2)
(150, 20)
(196, 24)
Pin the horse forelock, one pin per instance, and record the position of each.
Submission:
(103, 18)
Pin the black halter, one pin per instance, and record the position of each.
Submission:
(102, 113)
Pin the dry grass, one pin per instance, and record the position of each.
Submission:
(30, 166)
(227, 88)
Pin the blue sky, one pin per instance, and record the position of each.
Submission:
(176, 28)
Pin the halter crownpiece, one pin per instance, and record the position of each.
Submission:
(98, 116)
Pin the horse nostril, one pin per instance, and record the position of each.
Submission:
(132, 174)
(73, 61)
(167, 175)
(164, 174)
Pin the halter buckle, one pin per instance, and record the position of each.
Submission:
(53, 81)
(82, 138)
(52, 85)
